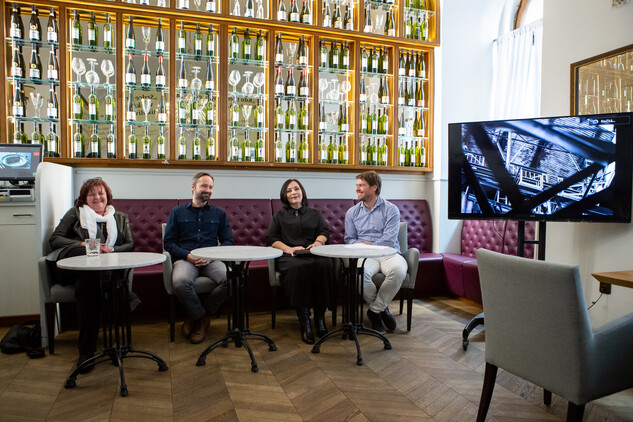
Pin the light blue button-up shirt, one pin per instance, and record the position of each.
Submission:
(379, 225)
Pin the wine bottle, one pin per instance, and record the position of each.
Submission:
(234, 44)
(130, 73)
(402, 64)
(93, 31)
(333, 59)
(322, 146)
(291, 116)
(182, 145)
(197, 153)
(279, 115)
(131, 113)
(302, 117)
(19, 137)
(17, 71)
(416, 124)
(402, 130)
(52, 107)
(420, 68)
(160, 143)
(160, 37)
(408, 27)
(293, 15)
(323, 61)
(363, 90)
(370, 121)
(407, 155)
(306, 13)
(363, 119)
(344, 57)
(303, 153)
(327, 17)
(107, 32)
(78, 142)
(182, 39)
(390, 25)
(211, 42)
(234, 147)
(401, 92)
(35, 29)
(210, 6)
(210, 146)
(259, 148)
(260, 47)
(18, 102)
(278, 148)
(249, 11)
(132, 144)
(197, 41)
(52, 142)
(364, 60)
(246, 45)
(411, 68)
(94, 141)
(401, 154)
(304, 89)
(281, 11)
(382, 154)
(424, 27)
(182, 108)
(209, 84)
(332, 152)
(195, 109)
(248, 154)
(51, 27)
(383, 61)
(146, 76)
(259, 114)
(235, 113)
(161, 111)
(344, 125)
(78, 105)
(337, 19)
(373, 62)
(182, 77)
(160, 73)
(290, 88)
(368, 23)
(410, 97)
(384, 96)
(17, 27)
(419, 95)
(383, 124)
(130, 38)
(415, 30)
(111, 143)
(303, 52)
(279, 83)
(291, 149)
(93, 104)
(348, 22)
(210, 111)
(374, 122)
(279, 50)
(322, 122)
(76, 31)
(343, 151)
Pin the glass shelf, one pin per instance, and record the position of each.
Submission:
(412, 78)
(202, 57)
(293, 97)
(32, 119)
(413, 108)
(367, 103)
(139, 87)
(294, 130)
(346, 72)
(187, 125)
(150, 53)
(380, 5)
(333, 132)
(376, 135)
(430, 13)
(87, 85)
(256, 63)
(411, 138)
(215, 93)
(33, 81)
(247, 96)
(142, 122)
(293, 66)
(85, 48)
(376, 74)
(20, 41)
(96, 122)
(253, 128)
(336, 102)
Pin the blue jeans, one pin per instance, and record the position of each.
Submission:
(184, 277)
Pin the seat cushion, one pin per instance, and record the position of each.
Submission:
(61, 293)
(454, 270)
(470, 274)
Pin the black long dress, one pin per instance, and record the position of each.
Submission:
(307, 279)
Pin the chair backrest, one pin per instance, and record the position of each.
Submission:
(249, 219)
(486, 234)
(402, 237)
(416, 213)
(146, 217)
(537, 325)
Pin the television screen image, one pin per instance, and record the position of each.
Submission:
(18, 162)
(575, 168)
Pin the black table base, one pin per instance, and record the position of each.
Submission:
(237, 320)
(117, 334)
(353, 313)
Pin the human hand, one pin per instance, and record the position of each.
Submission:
(365, 243)
(291, 251)
(105, 249)
(198, 262)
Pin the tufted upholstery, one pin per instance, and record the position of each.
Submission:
(146, 217)
(249, 219)
(482, 234)
(418, 218)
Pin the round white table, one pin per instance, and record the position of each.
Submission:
(117, 326)
(352, 307)
(237, 259)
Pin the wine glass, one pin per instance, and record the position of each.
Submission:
(196, 83)
(234, 78)
(344, 88)
(333, 93)
(260, 10)
(38, 101)
(146, 33)
(373, 92)
(79, 67)
(108, 69)
(380, 23)
(162, 3)
(332, 118)
(258, 81)
(236, 8)
(322, 86)
(247, 88)
(291, 50)
(197, 3)
(92, 77)
(146, 103)
(246, 112)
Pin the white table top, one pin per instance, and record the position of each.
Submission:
(237, 253)
(356, 250)
(111, 261)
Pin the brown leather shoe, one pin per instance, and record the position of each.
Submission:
(187, 327)
(200, 329)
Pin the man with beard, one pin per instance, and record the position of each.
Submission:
(197, 224)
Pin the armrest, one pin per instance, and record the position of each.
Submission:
(273, 278)
(167, 269)
(44, 275)
(412, 256)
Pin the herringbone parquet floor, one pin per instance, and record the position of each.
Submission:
(426, 377)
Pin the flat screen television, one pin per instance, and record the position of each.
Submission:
(18, 162)
(574, 168)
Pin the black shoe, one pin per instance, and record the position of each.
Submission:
(307, 336)
(82, 359)
(319, 323)
(376, 321)
(388, 320)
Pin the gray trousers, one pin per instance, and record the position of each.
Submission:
(184, 277)
(395, 270)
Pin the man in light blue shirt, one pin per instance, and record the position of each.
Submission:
(374, 221)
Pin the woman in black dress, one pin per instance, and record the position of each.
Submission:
(307, 279)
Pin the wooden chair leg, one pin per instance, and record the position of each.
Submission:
(401, 301)
(172, 318)
(547, 397)
(49, 314)
(575, 412)
(274, 291)
(490, 376)
(409, 308)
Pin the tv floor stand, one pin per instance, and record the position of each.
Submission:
(521, 242)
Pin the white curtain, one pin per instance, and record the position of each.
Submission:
(516, 73)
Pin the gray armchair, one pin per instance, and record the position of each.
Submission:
(537, 328)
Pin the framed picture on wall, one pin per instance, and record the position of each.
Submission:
(603, 83)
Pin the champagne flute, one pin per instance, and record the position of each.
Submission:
(236, 8)
(38, 101)
(197, 3)
(108, 69)
(260, 10)
(291, 50)
(246, 112)
(146, 33)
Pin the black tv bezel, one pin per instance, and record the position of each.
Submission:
(623, 183)
(28, 147)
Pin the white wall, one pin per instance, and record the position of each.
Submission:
(574, 30)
